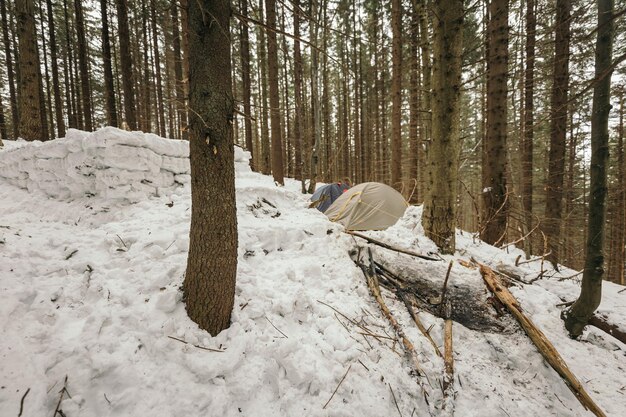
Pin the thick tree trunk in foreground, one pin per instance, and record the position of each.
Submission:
(127, 64)
(577, 317)
(439, 216)
(30, 110)
(495, 205)
(209, 286)
(558, 125)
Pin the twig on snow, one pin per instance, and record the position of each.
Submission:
(394, 400)
(197, 346)
(22, 402)
(277, 329)
(338, 385)
(71, 254)
(63, 391)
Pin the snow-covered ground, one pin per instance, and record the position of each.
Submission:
(91, 280)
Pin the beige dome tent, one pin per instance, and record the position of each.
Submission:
(368, 206)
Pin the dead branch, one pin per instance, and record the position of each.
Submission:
(393, 394)
(338, 385)
(196, 346)
(542, 343)
(22, 402)
(390, 247)
(448, 358)
(277, 329)
(62, 392)
(372, 282)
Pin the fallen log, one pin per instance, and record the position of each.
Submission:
(390, 247)
(448, 357)
(542, 343)
(601, 322)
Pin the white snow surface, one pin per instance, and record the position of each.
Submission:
(91, 265)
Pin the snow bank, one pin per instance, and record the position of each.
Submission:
(111, 163)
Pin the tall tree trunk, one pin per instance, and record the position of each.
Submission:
(396, 95)
(577, 317)
(68, 74)
(47, 96)
(30, 111)
(426, 70)
(414, 112)
(442, 167)
(297, 86)
(84, 65)
(58, 103)
(109, 89)
(558, 126)
(495, 204)
(245, 75)
(272, 65)
(529, 122)
(209, 286)
(127, 64)
(10, 73)
(178, 71)
(147, 83)
(266, 164)
(315, 100)
(621, 238)
(157, 65)
(3, 123)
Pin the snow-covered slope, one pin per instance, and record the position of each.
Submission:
(91, 291)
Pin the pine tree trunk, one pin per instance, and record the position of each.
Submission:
(209, 286)
(157, 65)
(272, 65)
(558, 113)
(495, 204)
(67, 72)
(30, 111)
(414, 114)
(84, 70)
(10, 73)
(621, 238)
(245, 75)
(126, 64)
(396, 95)
(315, 101)
(529, 122)
(297, 86)
(577, 317)
(266, 159)
(426, 114)
(47, 96)
(58, 103)
(178, 71)
(439, 216)
(109, 89)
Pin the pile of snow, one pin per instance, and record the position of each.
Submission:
(91, 292)
(111, 163)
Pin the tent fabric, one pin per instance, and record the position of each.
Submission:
(368, 206)
(327, 195)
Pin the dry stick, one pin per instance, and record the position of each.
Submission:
(277, 329)
(448, 358)
(418, 322)
(63, 390)
(394, 400)
(338, 385)
(22, 402)
(544, 346)
(197, 346)
(445, 282)
(390, 247)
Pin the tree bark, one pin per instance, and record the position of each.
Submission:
(297, 75)
(272, 64)
(577, 317)
(157, 65)
(315, 101)
(439, 216)
(245, 74)
(209, 286)
(558, 126)
(126, 64)
(266, 159)
(414, 112)
(10, 73)
(529, 122)
(396, 95)
(495, 204)
(178, 71)
(84, 66)
(109, 89)
(30, 111)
